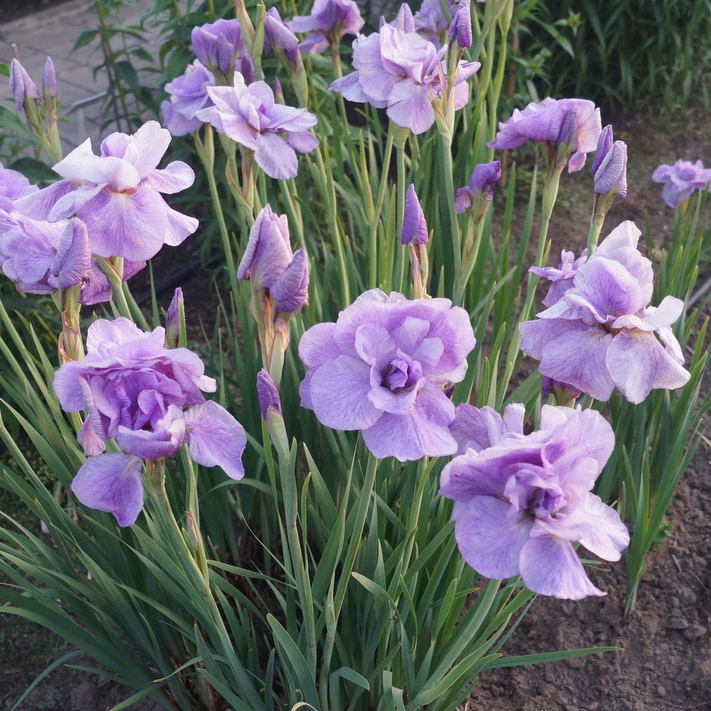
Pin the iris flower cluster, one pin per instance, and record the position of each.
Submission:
(136, 392)
(110, 205)
(219, 89)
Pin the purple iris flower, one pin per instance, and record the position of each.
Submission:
(414, 225)
(269, 263)
(681, 180)
(118, 194)
(188, 94)
(521, 500)
(473, 197)
(249, 115)
(40, 257)
(600, 335)
(381, 369)
(571, 124)
(402, 72)
(562, 277)
(221, 48)
(13, 185)
(328, 22)
(136, 392)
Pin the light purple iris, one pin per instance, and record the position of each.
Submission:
(681, 180)
(381, 369)
(562, 277)
(479, 428)
(602, 333)
(270, 265)
(571, 124)
(249, 115)
(521, 500)
(135, 391)
(118, 194)
(328, 22)
(473, 197)
(188, 94)
(42, 256)
(402, 72)
(221, 48)
(13, 185)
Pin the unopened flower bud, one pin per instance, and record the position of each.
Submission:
(22, 86)
(604, 144)
(414, 225)
(476, 196)
(291, 289)
(461, 27)
(267, 394)
(175, 321)
(611, 175)
(49, 80)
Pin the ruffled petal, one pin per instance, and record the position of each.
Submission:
(215, 438)
(638, 363)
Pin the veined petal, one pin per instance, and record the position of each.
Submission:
(489, 537)
(638, 363)
(410, 106)
(215, 438)
(550, 566)
(81, 164)
(276, 157)
(339, 394)
(176, 176)
(112, 483)
(151, 142)
(126, 225)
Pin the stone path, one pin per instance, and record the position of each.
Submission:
(53, 32)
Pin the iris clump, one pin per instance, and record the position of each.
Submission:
(521, 501)
(381, 368)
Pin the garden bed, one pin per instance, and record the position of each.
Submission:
(665, 665)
